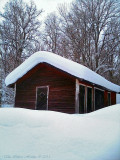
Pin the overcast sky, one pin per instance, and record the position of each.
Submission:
(47, 5)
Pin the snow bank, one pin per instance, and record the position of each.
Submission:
(30, 134)
(118, 98)
(7, 105)
(64, 64)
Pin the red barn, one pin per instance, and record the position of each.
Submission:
(46, 81)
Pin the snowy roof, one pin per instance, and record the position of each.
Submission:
(61, 63)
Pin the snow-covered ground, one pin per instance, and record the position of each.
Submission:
(37, 135)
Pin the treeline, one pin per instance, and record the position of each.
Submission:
(88, 32)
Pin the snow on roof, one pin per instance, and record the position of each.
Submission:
(64, 64)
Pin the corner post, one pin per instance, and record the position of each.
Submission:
(77, 96)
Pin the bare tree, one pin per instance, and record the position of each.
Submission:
(19, 32)
(112, 46)
(88, 30)
(51, 36)
(19, 28)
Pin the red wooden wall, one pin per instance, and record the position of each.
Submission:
(113, 98)
(61, 89)
(105, 98)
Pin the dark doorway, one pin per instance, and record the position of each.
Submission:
(99, 99)
(42, 100)
(89, 99)
(81, 99)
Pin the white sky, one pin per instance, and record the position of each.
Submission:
(47, 5)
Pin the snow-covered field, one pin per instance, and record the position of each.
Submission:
(37, 135)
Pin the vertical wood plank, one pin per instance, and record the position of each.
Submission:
(77, 96)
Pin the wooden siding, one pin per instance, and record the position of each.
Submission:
(61, 89)
(113, 98)
(113, 94)
(105, 98)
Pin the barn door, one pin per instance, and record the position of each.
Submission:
(42, 98)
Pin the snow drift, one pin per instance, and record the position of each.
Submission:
(31, 134)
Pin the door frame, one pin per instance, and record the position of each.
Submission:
(87, 99)
(47, 95)
(77, 91)
(80, 84)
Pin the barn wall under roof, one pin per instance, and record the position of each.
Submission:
(61, 95)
